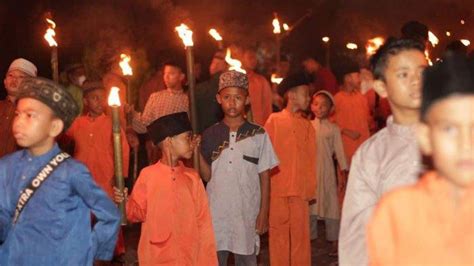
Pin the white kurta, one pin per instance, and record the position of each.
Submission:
(234, 188)
(389, 159)
(328, 143)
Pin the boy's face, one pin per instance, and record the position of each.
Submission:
(300, 97)
(13, 80)
(172, 77)
(352, 81)
(232, 101)
(181, 145)
(95, 102)
(403, 80)
(448, 136)
(321, 106)
(35, 125)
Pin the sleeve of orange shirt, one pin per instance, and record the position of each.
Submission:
(381, 236)
(267, 98)
(207, 254)
(137, 202)
(310, 163)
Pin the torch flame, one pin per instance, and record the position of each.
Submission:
(276, 26)
(234, 64)
(351, 46)
(114, 99)
(466, 42)
(286, 27)
(373, 45)
(50, 33)
(275, 79)
(325, 39)
(125, 65)
(427, 56)
(433, 39)
(185, 34)
(215, 34)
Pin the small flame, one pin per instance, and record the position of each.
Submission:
(125, 65)
(351, 46)
(50, 33)
(373, 45)
(275, 79)
(276, 26)
(185, 34)
(462, 21)
(325, 39)
(448, 33)
(466, 42)
(114, 99)
(286, 27)
(433, 39)
(215, 35)
(234, 64)
(427, 56)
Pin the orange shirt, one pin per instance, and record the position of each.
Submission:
(294, 141)
(7, 114)
(177, 226)
(352, 112)
(422, 225)
(260, 97)
(94, 147)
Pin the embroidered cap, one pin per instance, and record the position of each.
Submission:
(53, 95)
(233, 79)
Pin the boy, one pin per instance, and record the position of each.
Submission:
(170, 201)
(293, 184)
(92, 135)
(352, 113)
(329, 143)
(432, 222)
(240, 155)
(53, 194)
(391, 157)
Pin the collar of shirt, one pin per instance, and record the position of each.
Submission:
(92, 119)
(40, 159)
(179, 168)
(406, 132)
(175, 92)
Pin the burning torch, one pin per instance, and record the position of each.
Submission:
(49, 37)
(114, 103)
(217, 37)
(187, 36)
(277, 32)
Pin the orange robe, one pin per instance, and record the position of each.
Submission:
(293, 184)
(177, 225)
(422, 225)
(261, 97)
(94, 147)
(352, 112)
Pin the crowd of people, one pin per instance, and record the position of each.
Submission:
(382, 153)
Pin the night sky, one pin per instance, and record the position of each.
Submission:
(92, 30)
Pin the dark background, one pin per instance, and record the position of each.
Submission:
(94, 30)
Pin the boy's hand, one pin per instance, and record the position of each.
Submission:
(119, 196)
(261, 226)
(195, 141)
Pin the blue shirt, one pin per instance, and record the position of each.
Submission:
(55, 226)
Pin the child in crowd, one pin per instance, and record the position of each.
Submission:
(237, 157)
(391, 157)
(45, 196)
(432, 222)
(329, 144)
(293, 182)
(170, 201)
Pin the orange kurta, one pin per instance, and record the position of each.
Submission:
(94, 147)
(292, 186)
(260, 97)
(352, 112)
(177, 226)
(423, 225)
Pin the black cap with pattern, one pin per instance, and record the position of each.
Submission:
(233, 79)
(293, 81)
(53, 95)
